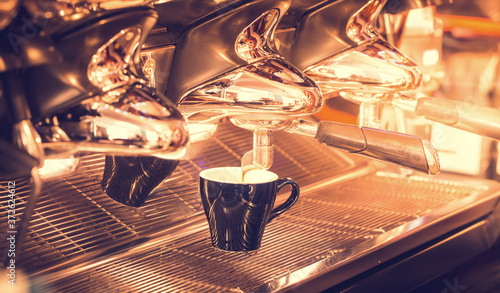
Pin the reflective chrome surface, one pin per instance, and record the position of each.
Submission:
(262, 154)
(401, 149)
(361, 26)
(371, 67)
(348, 215)
(122, 122)
(264, 96)
(254, 42)
(149, 68)
(54, 169)
(27, 138)
(368, 70)
(269, 94)
(8, 10)
(484, 121)
(351, 218)
(109, 67)
(339, 265)
(423, 39)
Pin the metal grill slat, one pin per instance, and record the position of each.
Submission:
(75, 217)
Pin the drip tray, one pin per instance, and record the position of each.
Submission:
(80, 240)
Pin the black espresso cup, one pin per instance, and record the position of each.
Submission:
(237, 211)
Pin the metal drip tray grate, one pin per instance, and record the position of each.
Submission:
(323, 224)
(343, 204)
(74, 216)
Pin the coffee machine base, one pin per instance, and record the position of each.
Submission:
(358, 226)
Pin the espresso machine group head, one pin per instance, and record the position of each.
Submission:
(77, 75)
(349, 49)
(70, 86)
(229, 68)
(337, 44)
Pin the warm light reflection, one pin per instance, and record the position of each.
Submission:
(34, 53)
(267, 94)
(422, 41)
(8, 10)
(253, 42)
(430, 57)
(201, 131)
(108, 67)
(118, 130)
(372, 67)
(54, 168)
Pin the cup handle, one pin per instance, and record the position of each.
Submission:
(292, 199)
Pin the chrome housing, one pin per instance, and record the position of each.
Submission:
(122, 122)
(371, 66)
(263, 96)
(108, 68)
(368, 72)
(8, 10)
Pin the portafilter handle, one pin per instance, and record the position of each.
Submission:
(392, 147)
(484, 121)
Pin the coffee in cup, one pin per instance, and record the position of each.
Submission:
(237, 211)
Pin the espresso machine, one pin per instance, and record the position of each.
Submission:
(233, 82)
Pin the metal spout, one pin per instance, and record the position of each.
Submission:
(262, 154)
(262, 97)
